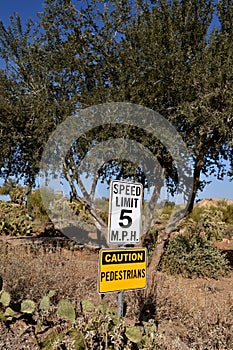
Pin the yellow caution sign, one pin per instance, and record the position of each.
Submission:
(122, 269)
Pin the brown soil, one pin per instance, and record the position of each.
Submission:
(186, 310)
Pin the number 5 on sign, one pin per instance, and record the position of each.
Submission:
(125, 208)
(125, 217)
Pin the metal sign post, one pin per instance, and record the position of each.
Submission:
(120, 304)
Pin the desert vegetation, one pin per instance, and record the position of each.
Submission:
(168, 58)
(50, 300)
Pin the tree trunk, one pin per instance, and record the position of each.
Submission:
(149, 214)
(155, 260)
(69, 179)
(164, 236)
(196, 183)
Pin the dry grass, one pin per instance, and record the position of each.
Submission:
(31, 273)
(190, 314)
(197, 312)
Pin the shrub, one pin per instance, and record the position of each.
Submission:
(35, 204)
(193, 256)
(208, 222)
(14, 220)
(93, 328)
(14, 190)
(168, 208)
(228, 214)
(17, 194)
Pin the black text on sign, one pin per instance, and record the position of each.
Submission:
(122, 269)
(125, 212)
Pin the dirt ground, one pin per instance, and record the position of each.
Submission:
(190, 313)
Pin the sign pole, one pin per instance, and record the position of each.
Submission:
(123, 268)
(121, 304)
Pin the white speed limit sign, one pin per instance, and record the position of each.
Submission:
(125, 212)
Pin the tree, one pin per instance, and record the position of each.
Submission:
(24, 83)
(41, 82)
(158, 54)
(170, 63)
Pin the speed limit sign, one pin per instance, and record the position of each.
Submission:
(125, 212)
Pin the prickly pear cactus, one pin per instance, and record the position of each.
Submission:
(134, 334)
(5, 298)
(87, 306)
(66, 310)
(45, 303)
(28, 306)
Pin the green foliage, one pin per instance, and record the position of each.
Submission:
(9, 312)
(213, 224)
(15, 220)
(227, 210)
(86, 217)
(14, 190)
(15, 228)
(77, 339)
(35, 205)
(7, 187)
(124, 52)
(17, 194)
(167, 208)
(102, 205)
(112, 332)
(52, 341)
(196, 213)
(2, 316)
(211, 221)
(66, 310)
(193, 256)
(94, 328)
(27, 306)
(134, 334)
(51, 293)
(5, 298)
(45, 303)
(87, 306)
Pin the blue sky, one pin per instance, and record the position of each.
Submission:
(29, 8)
(25, 8)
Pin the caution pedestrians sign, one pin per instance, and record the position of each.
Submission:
(122, 269)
